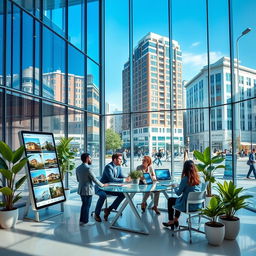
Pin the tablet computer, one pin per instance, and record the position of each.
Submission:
(147, 178)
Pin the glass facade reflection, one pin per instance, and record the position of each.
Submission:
(154, 75)
(49, 74)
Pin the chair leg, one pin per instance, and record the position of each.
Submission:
(199, 222)
(189, 229)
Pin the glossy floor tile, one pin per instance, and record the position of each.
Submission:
(62, 235)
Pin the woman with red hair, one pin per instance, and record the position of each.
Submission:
(145, 167)
(190, 181)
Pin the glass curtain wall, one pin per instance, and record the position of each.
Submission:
(196, 92)
(50, 72)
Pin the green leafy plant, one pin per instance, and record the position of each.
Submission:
(208, 166)
(231, 198)
(65, 156)
(113, 140)
(136, 174)
(11, 163)
(213, 210)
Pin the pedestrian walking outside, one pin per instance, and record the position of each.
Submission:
(124, 158)
(252, 163)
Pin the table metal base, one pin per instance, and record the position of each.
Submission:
(128, 200)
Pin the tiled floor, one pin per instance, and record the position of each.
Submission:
(62, 235)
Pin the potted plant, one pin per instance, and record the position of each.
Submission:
(135, 176)
(232, 200)
(208, 166)
(214, 230)
(11, 163)
(65, 157)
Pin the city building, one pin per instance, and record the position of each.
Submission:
(151, 92)
(221, 117)
(117, 121)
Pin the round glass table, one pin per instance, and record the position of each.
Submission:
(130, 190)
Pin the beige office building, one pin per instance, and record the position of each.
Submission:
(151, 92)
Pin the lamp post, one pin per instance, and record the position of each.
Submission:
(246, 31)
(236, 112)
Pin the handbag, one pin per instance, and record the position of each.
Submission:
(249, 162)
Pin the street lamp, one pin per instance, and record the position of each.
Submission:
(236, 112)
(246, 31)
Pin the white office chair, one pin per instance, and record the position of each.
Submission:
(193, 198)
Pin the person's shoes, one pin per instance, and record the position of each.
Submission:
(168, 225)
(89, 223)
(106, 213)
(248, 178)
(143, 206)
(176, 224)
(97, 218)
(156, 210)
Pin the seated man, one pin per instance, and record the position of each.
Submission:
(112, 173)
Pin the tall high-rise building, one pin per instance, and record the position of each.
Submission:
(151, 92)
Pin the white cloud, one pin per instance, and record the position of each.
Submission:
(199, 60)
(195, 44)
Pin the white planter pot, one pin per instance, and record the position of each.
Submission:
(232, 228)
(8, 219)
(136, 181)
(67, 193)
(214, 235)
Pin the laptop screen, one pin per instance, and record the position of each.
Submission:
(162, 174)
(147, 178)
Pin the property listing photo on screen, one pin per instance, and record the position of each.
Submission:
(43, 168)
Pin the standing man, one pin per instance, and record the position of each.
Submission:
(252, 160)
(112, 173)
(86, 177)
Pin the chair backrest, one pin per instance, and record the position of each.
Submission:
(204, 185)
(195, 198)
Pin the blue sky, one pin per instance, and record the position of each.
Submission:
(189, 29)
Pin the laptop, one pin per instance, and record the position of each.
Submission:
(162, 174)
(147, 178)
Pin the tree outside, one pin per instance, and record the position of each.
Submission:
(113, 140)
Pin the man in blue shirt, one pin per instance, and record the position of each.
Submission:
(112, 173)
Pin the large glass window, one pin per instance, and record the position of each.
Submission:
(76, 129)
(93, 28)
(117, 55)
(93, 92)
(76, 77)
(54, 15)
(27, 53)
(1, 42)
(22, 113)
(16, 50)
(76, 23)
(53, 66)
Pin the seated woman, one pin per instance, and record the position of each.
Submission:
(190, 181)
(146, 167)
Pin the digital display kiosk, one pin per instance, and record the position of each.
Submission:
(44, 177)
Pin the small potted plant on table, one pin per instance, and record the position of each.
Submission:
(135, 176)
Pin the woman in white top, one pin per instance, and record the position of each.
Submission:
(146, 167)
